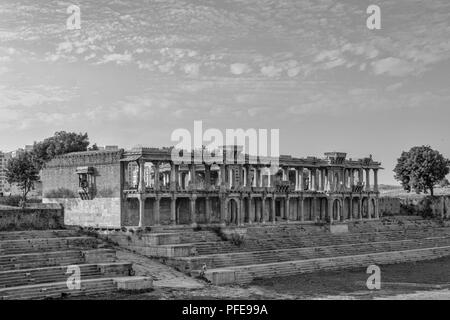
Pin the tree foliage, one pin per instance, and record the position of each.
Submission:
(420, 169)
(61, 143)
(22, 171)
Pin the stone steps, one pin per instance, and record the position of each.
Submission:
(247, 273)
(55, 258)
(20, 235)
(277, 241)
(32, 267)
(46, 244)
(58, 290)
(22, 277)
(261, 257)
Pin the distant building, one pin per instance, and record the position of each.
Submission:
(108, 148)
(4, 157)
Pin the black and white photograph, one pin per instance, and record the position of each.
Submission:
(224, 155)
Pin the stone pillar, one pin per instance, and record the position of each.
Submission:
(322, 179)
(263, 209)
(207, 176)
(257, 210)
(302, 208)
(360, 209)
(208, 209)
(367, 180)
(361, 176)
(273, 211)
(300, 178)
(223, 210)
(223, 182)
(173, 210)
(330, 209)
(287, 209)
(352, 178)
(141, 210)
(249, 176)
(156, 171)
(329, 180)
(192, 209)
(193, 175)
(141, 183)
(375, 180)
(173, 176)
(156, 206)
(251, 210)
(351, 209)
(313, 179)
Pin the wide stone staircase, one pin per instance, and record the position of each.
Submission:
(284, 249)
(45, 264)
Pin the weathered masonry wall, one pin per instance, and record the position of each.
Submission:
(98, 212)
(98, 204)
(31, 219)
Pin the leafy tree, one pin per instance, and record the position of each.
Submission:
(23, 172)
(420, 169)
(61, 143)
(94, 147)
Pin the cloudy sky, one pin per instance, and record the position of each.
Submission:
(139, 69)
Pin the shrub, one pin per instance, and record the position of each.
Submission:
(60, 193)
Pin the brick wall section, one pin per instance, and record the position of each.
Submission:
(104, 210)
(31, 219)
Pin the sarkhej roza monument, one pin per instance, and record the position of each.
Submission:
(144, 187)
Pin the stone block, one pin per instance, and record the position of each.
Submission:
(134, 283)
(339, 228)
(221, 276)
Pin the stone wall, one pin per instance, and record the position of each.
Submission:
(99, 212)
(31, 219)
(389, 206)
(60, 174)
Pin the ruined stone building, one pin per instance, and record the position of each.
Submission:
(144, 187)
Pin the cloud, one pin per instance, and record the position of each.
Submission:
(239, 68)
(393, 67)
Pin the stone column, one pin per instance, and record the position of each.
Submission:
(223, 182)
(193, 175)
(192, 209)
(251, 211)
(249, 176)
(156, 207)
(258, 210)
(287, 209)
(367, 180)
(330, 209)
(300, 177)
(351, 209)
(156, 171)
(208, 209)
(322, 179)
(330, 180)
(302, 208)
(141, 183)
(263, 209)
(141, 210)
(173, 176)
(173, 210)
(352, 178)
(375, 180)
(273, 211)
(313, 180)
(360, 209)
(361, 176)
(207, 176)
